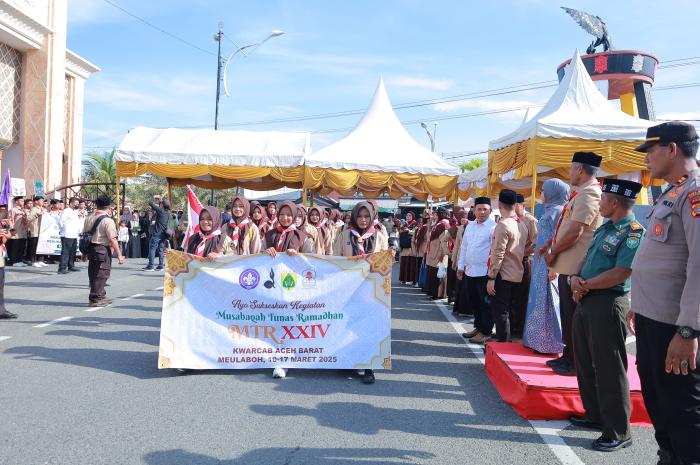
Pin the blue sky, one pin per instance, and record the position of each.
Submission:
(333, 52)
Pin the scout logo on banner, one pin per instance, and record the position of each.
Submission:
(307, 311)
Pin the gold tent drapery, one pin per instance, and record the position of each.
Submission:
(374, 183)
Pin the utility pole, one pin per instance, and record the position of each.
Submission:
(217, 38)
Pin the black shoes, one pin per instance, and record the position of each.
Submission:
(368, 377)
(470, 334)
(565, 370)
(666, 458)
(604, 444)
(556, 361)
(100, 303)
(7, 315)
(63, 271)
(73, 269)
(583, 422)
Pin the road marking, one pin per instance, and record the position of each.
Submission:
(93, 309)
(5, 338)
(157, 288)
(57, 320)
(548, 430)
(135, 296)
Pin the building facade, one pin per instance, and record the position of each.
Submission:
(42, 87)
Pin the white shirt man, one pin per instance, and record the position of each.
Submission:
(472, 268)
(71, 225)
(476, 246)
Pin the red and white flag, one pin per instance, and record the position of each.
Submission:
(194, 206)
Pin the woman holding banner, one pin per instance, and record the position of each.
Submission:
(359, 239)
(287, 237)
(243, 234)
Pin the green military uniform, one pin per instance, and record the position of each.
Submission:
(600, 329)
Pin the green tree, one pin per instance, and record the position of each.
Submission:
(471, 164)
(100, 167)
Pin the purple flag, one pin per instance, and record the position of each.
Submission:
(6, 190)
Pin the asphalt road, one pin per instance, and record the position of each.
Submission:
(82, 387)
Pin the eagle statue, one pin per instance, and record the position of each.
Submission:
(595, 26)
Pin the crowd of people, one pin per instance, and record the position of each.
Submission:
(563, 285)
(560, 283)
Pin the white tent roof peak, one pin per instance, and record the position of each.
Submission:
(379, 142)
(577, 109)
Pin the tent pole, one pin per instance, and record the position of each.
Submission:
(312, 198)
(170, 193)
(304, 197)
(117, 214)
(533, 200)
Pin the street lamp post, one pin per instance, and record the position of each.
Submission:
(430, 136)
(221, 68)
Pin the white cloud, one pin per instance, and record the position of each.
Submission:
(148, 93)
(422, 83)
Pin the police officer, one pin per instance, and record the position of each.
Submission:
(599, 328)
(103, 243)
(666, 295)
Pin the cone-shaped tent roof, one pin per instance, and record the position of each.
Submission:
(576, 117)
(377, 156)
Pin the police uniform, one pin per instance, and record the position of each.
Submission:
(599, 325)
(666, 300)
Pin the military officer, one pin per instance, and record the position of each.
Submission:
(599, 328)
(666, 295)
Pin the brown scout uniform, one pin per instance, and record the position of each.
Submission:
(506, 268)
(100, 264)
(583, 207)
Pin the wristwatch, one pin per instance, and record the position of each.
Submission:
(686, 332)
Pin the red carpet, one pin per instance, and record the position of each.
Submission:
(537, 393)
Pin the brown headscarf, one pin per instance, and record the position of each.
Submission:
(213, 239)
(367, 242)
(322, 222)
(440, 226)
(293, 239)
(263, 223)
(243, 222)
(334, 216)
(271, 219)
(301, 211)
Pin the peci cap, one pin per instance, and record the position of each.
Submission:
(508, 197)
(482, 201)
(587, 158)
(519, 198)
(671, 131)
(623, 187)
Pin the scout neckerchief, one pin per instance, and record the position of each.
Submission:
(280, 241)
(361, 238)
(199, 251)
(573, 194)
(236, 234)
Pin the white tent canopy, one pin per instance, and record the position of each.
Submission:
(578, 110)
(211, 147)
(380, 143)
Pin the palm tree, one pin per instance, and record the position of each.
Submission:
(100, 167)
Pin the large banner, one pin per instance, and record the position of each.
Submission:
(307, 311)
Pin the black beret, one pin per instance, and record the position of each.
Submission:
(672, 131)
(623, 187)
(519, 198)
(38, 197)
(508, 197)
(587, 158)
(18, 197)
(482, 201)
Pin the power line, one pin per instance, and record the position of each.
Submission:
(162, 31)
